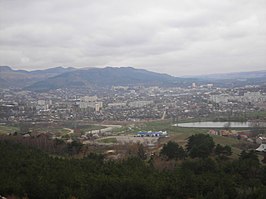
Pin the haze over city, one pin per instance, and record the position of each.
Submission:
(174, 37)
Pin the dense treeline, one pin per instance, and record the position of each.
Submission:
(27, 172)
(44, 143)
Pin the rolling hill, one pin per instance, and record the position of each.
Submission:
(22, 78)
(59, 77)
(237, 79)
(235, 75)
(106, 77)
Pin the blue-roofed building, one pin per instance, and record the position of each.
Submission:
(151, 134)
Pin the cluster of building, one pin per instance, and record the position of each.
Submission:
(90, 102)
(248, 97)
(129, 103)
(243, 135)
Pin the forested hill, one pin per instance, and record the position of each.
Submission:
(109, 76)
(30, 173)
(59, 77)
(10, 78)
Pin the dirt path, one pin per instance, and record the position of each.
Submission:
(107, 129)
(71, 131)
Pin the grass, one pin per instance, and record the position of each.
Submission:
(224, 117)
(257, 114)
(167, 125)
(62, 130)
(7, 129)
(58, 131)
(91, 127)
(230, 142)
(121, 129)
(225, 140)
(127, 129)
(108, 140)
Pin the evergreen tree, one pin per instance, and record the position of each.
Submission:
(200, 145)
(172, 150)
(223, 151)
(141, 152)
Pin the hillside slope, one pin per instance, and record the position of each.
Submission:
(106, 77)
(22, 78)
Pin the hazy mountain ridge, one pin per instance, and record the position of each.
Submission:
(235, 75)
(106, 77)
(21, 78)
(59, 77)
(236, 79)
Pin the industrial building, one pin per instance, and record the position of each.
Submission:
(151, 134)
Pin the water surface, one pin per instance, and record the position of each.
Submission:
(215, 124)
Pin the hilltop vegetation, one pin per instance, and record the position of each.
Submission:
(30, 173)
(21, 78)
(106, 77)
(59, 77)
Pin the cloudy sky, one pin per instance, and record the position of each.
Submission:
(172, 36)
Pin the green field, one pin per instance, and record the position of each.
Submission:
(258, 114)
(90, 127)
(166, 125)
(108, 140)
(7, 129)
(230, 142)
(52, 129)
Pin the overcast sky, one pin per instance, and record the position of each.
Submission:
(178, 37)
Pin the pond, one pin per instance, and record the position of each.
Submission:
(215, 124)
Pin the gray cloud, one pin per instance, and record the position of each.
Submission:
(175, 37)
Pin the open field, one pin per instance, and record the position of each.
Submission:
(257, 114)
(59, 131)
(127, 139)
(230, 142)
(223, 117)
(7, 129)
(167, 125)
(90, 127)
(107, 140)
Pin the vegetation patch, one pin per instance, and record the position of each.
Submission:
(108, 140)
(90, 127)
(31, 173)
(4, 129)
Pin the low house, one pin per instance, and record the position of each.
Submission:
(261, 148)
(213, 132)
(224, 133)
(261, 140)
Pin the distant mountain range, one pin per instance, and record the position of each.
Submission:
(236, 79)
(235, 75)
(59, 77)
(23, 78)
(107, 77)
